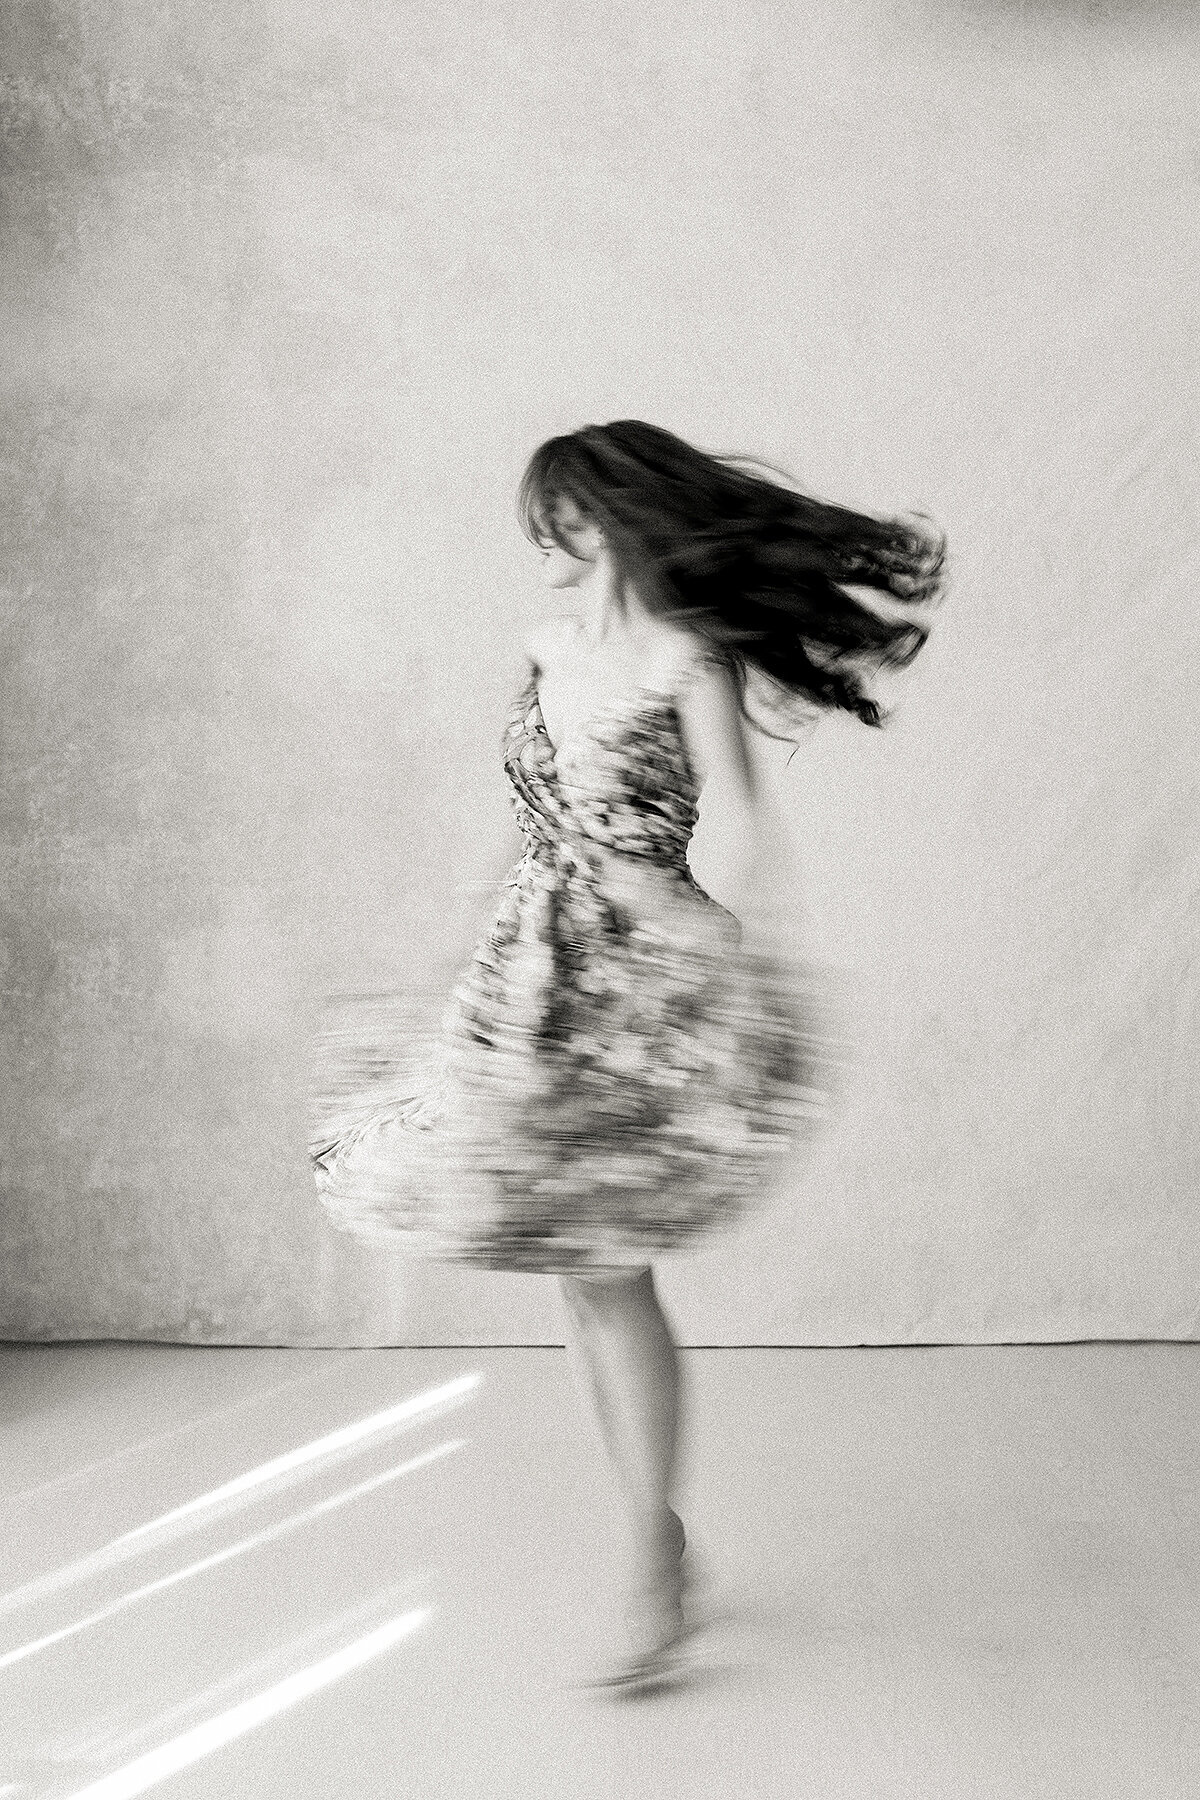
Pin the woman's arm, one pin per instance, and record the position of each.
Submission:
(717, 740)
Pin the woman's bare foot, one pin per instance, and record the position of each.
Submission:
(656, 1627)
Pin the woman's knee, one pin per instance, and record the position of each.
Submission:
(590, 1287)
(616, 1275)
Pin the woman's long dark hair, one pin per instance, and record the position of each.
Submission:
(720, 543)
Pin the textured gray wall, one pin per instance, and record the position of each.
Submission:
(289, 295)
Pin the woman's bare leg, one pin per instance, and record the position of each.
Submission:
(626, 1360)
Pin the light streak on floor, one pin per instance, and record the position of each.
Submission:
(201, 1740)
(145, 1446)
(268, 1535)
(104, 1741)
(268, 1477)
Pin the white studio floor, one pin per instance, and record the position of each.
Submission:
(950, 1574)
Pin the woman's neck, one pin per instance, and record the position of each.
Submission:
(609, 605)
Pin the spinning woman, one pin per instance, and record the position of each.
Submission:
(623, 1057)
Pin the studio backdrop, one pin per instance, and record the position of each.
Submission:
(290, 294)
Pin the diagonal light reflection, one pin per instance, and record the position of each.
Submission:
(280, 1471)
(158, 1439)
(266, 1536)
(167, 1759)
(99, 1745)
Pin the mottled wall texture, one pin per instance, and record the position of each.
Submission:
(289, 293)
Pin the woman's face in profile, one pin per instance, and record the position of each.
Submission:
(567, 568)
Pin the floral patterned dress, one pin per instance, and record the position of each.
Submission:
(615, 1070)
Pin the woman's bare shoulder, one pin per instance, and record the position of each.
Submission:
(547, 641)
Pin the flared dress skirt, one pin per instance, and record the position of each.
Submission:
(614, 1073)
